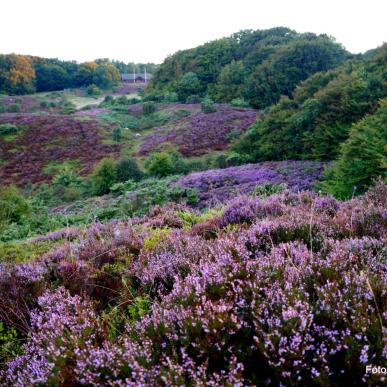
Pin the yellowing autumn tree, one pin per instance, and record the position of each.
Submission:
(21, 74)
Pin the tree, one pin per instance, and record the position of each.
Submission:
(231, 82)
(104, 176)
(128, 169)
(159, 164)
(362, 157)
(18, 74)
(106, 75)
(188, 85)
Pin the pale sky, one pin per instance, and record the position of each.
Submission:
(148, 31)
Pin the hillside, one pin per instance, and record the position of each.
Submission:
(223, 225)
(258, 66)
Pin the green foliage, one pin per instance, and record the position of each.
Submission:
(106, 76)
(194, 98)
(280, 73)
(6, 129)
(317, 120)
(239, 102)
(120, 188)
(231, 82)
(267, 189)
(67, 107)
(188, 85)
(93, 90)
(10, 346)
(159, 164)
(170, 97)
(117, 135)
(13, 108)
(258, 66)
(148, 108)
(362, 157)
(13, 205)
(104, 176)
(208, 105)
(128, 169)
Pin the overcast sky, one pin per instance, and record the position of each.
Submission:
(148, 31)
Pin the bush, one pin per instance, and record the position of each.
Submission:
(9, 343)
(120, 188)
(104, 176)
(121, 100)
(193, 99)
(13, 205)
(148, 108)
(108, 99)
(159, 164)
(117, 135)
(208, 106)
(93, 90)
(13, 108)
(170, 97)
(44, 104)
(267, 189)
(8, 129)
(239, 102)
(128, 169)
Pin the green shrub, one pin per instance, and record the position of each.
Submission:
(10, 346)
(120, 188)
(193, 99)
(208, 106)
(117, 135)
(233, 134)
(159, 164)
(13, 108)
(170, 97)
(121, 100)
(6, 129)
(104, 176)
(128, 169)
(267, 189)
(13, 205)
(239, 102)
(93, 90)
(44, 104)
(108, 99)
(148, 108)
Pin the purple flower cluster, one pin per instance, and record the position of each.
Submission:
(285, 290)
(219, 185)
(198, 133)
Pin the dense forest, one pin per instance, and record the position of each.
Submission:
(22, 74)
(258, 66)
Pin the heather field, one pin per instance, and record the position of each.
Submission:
(200, 133)
(43, 139)
(288, 289)
(220, 185)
